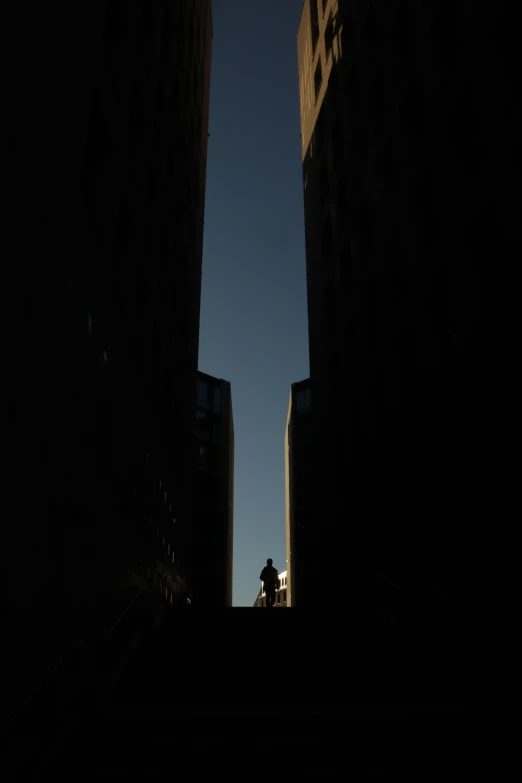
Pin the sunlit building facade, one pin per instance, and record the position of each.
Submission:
(281, 597)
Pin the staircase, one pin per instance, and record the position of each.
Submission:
(232, 691)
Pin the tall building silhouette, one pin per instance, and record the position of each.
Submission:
(213, 521)
(405, 178)
(107, 182)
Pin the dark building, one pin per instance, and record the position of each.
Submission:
(282, 594)
(213, 525)
(407, 130)
(107, 182)
(299, 491)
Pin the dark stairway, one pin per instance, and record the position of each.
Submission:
(240, 690)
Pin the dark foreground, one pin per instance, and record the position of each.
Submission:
(188, 692)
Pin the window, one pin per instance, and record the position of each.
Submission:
(98, 144)
(326, 241)
(364, 225)
(304, 400)
(166, 28)
(202, 425)
(463, 124)
(314, 24)
(324, 184)
(370, 27)
(202, 391)
(440, 305)
(445, 29)
(328, 326)
(148, 20)
(425, 198)
(348, 31)
(318, 78)
(168, 380)
(406, 346)
(306, 431)
(124, 225)
(333, 79)
(384, 165)
(372, 315)
(151, 187)
(217, 398)
(217, 430)
(116, 21)
(162, 90)
(342, 200)
(377, 92)
(319, 131)
(412, 109)
(202, 456)
(137, 117)
(401, 30)
(379, 391)
(337, 137)
(328, 36)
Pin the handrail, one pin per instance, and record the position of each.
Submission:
(120, 618)
(388, 580)
(433, 589)
(46, 681)
(65, 657)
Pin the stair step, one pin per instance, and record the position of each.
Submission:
(287, 686)
(333, 742)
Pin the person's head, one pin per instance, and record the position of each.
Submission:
(269, 561)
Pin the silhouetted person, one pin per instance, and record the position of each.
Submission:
(270, 579)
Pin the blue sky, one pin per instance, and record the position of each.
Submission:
(253, 329)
